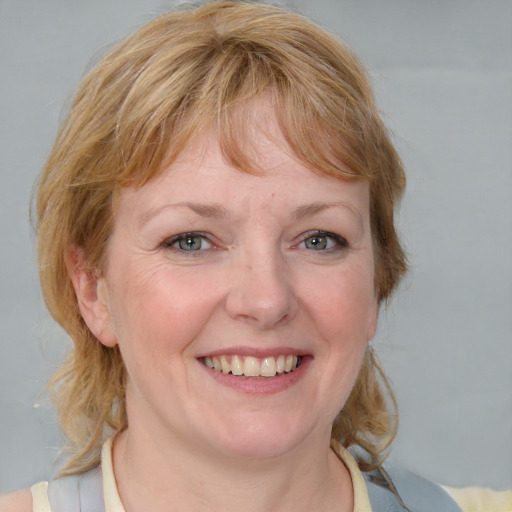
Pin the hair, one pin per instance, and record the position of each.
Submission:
(189, 70)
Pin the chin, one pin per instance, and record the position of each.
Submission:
(263, 438)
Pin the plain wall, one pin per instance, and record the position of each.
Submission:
(443, 79)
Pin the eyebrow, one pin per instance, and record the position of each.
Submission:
(218, 211)
(315, 208)
(203, 210)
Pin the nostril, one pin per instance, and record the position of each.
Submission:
(259, 306)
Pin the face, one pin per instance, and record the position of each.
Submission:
(242, 304)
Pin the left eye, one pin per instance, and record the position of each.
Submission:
(189, 242)
(321, 241)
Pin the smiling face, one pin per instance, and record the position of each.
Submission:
(241, 303)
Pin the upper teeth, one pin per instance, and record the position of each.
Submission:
(252, 366)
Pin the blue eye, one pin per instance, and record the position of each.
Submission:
(322, 241)
(189, 242)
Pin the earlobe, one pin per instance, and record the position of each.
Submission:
(92, 296)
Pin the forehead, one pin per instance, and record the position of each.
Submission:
(277, 183)
(258, 167)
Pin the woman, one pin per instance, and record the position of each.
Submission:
(215, 228)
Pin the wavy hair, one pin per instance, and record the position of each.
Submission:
(193, 69)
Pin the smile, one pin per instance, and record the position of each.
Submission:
(248, 366)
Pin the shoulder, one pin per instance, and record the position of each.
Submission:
(480, 499)
(19, 501)
(396, 488)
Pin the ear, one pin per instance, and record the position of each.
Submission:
(92, 296)
(373, 316)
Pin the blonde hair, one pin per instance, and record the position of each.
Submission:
(185, 71)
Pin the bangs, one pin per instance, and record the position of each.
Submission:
(323, 120)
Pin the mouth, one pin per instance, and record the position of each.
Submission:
(255, 367)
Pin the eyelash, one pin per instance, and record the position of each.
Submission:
(339, 241)
(321, 236)
(170, 242)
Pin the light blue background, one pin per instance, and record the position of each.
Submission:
(443, 78)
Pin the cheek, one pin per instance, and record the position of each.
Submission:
(158, 311)
(344, 319)
(345, 307)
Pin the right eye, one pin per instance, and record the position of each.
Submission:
(189, 242)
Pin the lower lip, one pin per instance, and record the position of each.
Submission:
(260, 386)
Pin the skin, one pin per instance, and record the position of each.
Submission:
(265, 278)
(19, 501)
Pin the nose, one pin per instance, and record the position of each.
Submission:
(261, 291)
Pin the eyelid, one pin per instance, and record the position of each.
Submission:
(341, 241)
(170, 241)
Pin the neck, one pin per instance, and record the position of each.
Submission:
(169, 475)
